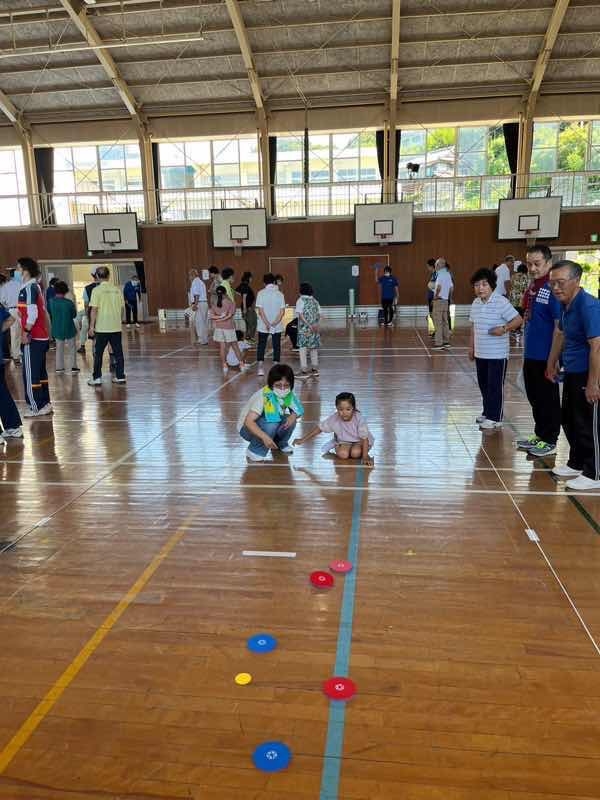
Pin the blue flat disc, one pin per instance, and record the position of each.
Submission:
(272, 756)
(262, 643)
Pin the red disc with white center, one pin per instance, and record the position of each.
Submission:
(322, 580)
(339, 688)
(341, 566)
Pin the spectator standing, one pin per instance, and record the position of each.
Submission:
(63, 328)
(9, 297)
(85, 318)
(441, 305)
(106, 306)
(578, 342)
(214, 280)
(35, 337)
(248, 310)
(309, 338)
(542, 313)
(132, 294)
(389, 293)
(10, 419)
(227, 278)
(270, 307)
(431, 287)
(199, 303)
(504, 275)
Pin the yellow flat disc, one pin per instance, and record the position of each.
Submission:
(243, 678)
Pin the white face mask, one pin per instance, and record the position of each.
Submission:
(282, 393)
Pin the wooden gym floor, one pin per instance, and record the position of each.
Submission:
(127, 603)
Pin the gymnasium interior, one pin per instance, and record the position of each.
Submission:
(179, 622)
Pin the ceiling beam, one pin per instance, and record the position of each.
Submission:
(556, 20)
(10, 110)
(241, 33)
(77, 12)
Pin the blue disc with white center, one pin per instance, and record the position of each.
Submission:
(262, 643)
(272, 756)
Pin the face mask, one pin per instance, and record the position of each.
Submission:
(18, 277)
(282, 393)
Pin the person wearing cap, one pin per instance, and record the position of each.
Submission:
(441, 304)
(578, 344)
(35, 336)
(199, 305)
(106, 305)
(504, 276)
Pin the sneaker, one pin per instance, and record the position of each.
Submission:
(529, 443)
(244, 367)
(95, 382)
(565, 472)
(75, 369)
(254, 457)
(31, 413)
(446, 346)
(260, 371)
(225, 370)
(438, 347)
(47, 409)
(481, 418)
(583, 484)
(287, 449)
(302, 376)
(137, 324)
(12, 433)
(59, 370)
(315, 372)
(119, 380)
(542, 449)
(128, 325)
(490, 425)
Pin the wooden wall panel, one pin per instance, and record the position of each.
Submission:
(468, 242)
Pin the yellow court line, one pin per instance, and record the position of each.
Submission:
(68, 676)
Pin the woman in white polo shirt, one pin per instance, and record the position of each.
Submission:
(270, 308)
(492, 318)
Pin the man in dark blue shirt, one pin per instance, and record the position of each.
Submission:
(389, 293)
(542, 314)
(132, 293)
(579, 344)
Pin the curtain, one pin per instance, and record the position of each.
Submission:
(272, 172)
(381, 144)
(44, 168)
(157, 182)
(511, 142)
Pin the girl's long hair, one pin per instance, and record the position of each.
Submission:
(220, 291)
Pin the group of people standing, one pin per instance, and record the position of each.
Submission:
(561, 328)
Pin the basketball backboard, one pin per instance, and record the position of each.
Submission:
(389, 223)
(110, 232)
(529, 218)
(239, 227)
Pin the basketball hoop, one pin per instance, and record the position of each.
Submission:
(237, 247)
(383, 237)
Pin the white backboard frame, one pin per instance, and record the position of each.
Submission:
(111, 232)
(224, 222)
(515, 214)
(371, 219)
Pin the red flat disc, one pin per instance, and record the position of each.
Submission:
(322, 580)
(339, 688)
(341, 566)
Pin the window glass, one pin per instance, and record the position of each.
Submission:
(412, 143)
(545, 134)
(226, 151)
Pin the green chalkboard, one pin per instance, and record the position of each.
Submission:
(330, 278)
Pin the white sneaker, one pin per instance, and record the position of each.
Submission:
(583, 484)
(480, 419)
(137, 324)
(47, 409)
(565, 472)
(119, 380)
(95, 382)
(12, 433)
(260, 371)
(225, 370)
(489, 425)
(287, 449)
(253, 457)
(244, 367)
(31, 413)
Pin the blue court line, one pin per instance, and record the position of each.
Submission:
(334, 746)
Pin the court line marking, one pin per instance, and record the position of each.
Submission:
(181, 349)
(113, 466)
(268, 554)
(53, 695)
(538, 544)
(423, 343)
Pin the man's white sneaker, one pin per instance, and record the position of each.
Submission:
(31, 413)
(489, 425)
(288, 449)
(583, 484)
(47, 409)
(12, 433)
(95, 382)
(480, 419)
(260, 371)
(119, 380)
(565, 472)
(253, 457)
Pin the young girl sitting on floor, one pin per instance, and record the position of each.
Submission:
(268, 419)
(222, 314)
(351, 435)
